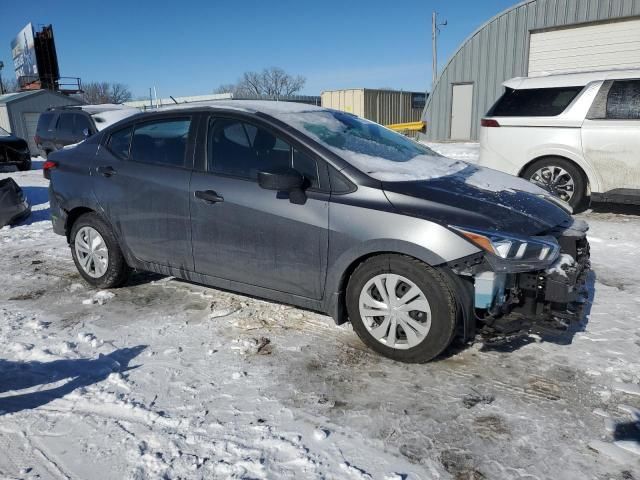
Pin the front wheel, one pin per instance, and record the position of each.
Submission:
(560, 177)
(401, 308)
(96, 252)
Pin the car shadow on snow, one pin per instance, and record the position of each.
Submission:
(559, 337)
(615, 208)
(76, 373)
(36, 196)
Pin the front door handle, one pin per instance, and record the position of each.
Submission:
(107, 171)
(209, 196)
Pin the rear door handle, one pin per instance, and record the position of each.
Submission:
(209, 196)
(107, 171)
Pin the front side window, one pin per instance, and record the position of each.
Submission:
(242, 150)
(534, 102)
(81, 124)
(119, 143)
(163, 142)
(623, 101)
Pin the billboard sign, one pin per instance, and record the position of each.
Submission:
(24, 53)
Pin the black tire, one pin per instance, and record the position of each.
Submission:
(117, 271)
(25, 165)
(436, 290)
(579, 201)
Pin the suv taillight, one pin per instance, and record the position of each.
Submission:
(489, 122)
(47, 167)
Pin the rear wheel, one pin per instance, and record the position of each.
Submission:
(96, 252)
(560, 177)
(401, 308)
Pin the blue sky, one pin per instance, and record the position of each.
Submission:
(190, 47)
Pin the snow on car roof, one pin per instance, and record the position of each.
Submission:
(569, 79)
(105, 118)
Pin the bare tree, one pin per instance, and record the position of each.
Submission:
(270, 81)
(105, 92)
(10, 85)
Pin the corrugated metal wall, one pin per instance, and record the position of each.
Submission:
(498, 51)
(381, 106)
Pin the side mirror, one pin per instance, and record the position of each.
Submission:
(287, 180)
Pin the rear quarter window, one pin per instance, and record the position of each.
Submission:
(534, 102)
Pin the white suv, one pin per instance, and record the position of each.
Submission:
(577, 135)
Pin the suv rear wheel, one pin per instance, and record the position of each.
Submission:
(401, 308)
(96, 252)
(561, 177)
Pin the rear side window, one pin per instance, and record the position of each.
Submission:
(163, 142)
(623, 102)
(242, 150)
(534, 102)
(119, 143)
(65, 123)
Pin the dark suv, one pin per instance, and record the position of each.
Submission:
(62, 126)
(323, 210)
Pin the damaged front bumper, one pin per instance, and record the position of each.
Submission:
(540, 300)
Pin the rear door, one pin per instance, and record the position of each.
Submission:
(141, 179)
(251, 235)
(611, 136)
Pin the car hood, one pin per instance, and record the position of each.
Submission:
(14, 142)
(482, 198)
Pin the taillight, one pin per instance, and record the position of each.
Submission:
(489, 122)
(47, 167)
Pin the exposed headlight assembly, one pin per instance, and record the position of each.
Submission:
(510, 253)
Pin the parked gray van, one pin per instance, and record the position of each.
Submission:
(323, 210)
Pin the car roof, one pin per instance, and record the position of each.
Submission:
(268, 107)
(93, 109)
(576, 79)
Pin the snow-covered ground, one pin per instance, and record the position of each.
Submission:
(165, 379)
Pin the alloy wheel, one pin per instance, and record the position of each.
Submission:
(395, 311)
(92, 252)
(556, 180)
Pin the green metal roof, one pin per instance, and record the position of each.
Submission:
(10, 97)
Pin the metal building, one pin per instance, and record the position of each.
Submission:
(535, 37)
(381, 106)
(19, 112)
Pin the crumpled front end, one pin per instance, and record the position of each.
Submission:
(544, 299)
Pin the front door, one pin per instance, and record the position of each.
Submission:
(611, 136)
(246, 234)
(141, 179)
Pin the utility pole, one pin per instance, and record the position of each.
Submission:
(1, 84)
(434, 45)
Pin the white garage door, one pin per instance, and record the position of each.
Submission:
(603, 46)
(31, 125)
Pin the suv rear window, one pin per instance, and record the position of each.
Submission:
(534, 102)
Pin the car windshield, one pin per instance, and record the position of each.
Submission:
(375, 150)
(4, 133)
